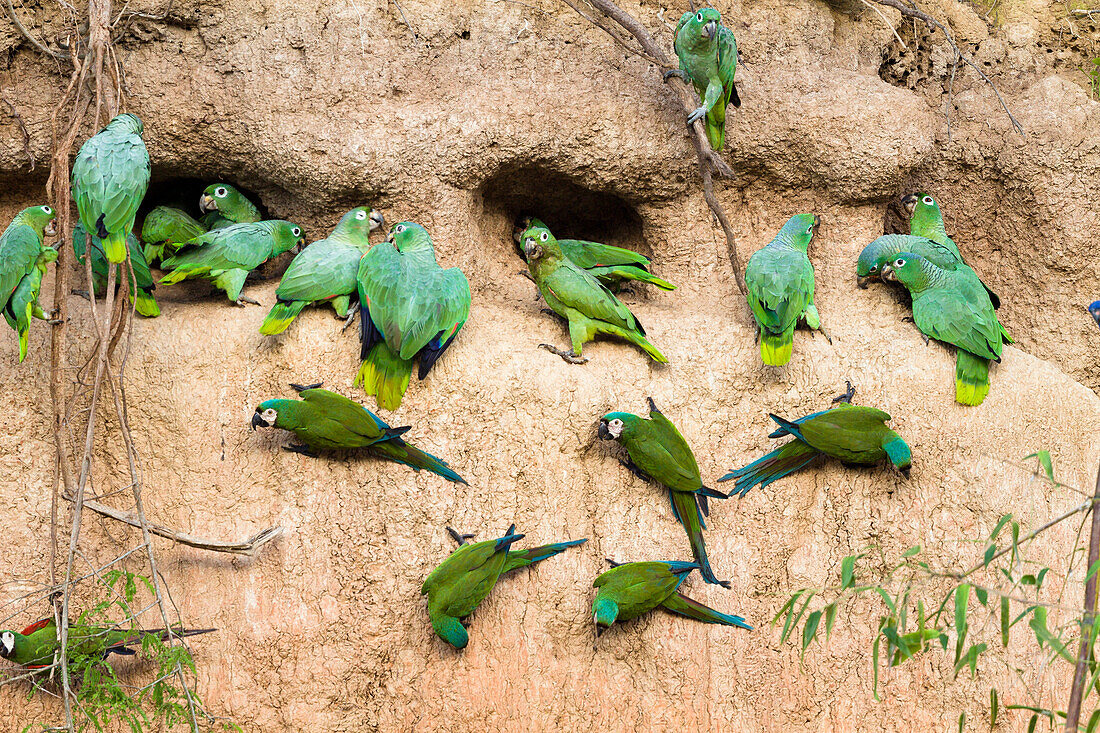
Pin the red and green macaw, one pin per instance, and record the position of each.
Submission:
(465, 578)
(707, 52)
(659, 453)
(23, 261)
(35, 646)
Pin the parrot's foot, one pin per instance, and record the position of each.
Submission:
(459, 538)
(630, 466)
(848, 395)
(304, 387)
(82, 293)
(926, 339)
(527, 274)
(296, 448)
(697, 114)
(908, 319)
(245, 299)
(823, 333)
(652, 404)
(613, 563)
(674, 72)
(569, 356)
(352, 313)
(54, 321)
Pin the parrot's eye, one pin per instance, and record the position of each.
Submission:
(927, 201)
(296, 231)
(269, 415)
(399, 228)
(899, 263)
(221, 192)
(874, 268)
(699, 17)
(47, 209)
(810, 229)
(544, 236)
(361, 215)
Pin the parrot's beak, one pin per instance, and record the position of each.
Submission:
(258, 421)
(600, 630)
(862, 281)
(300, 246)
(910, 203)
(905, 472)
(817, 222)
(604, 433)
(888, 274)
(376, 220)
(207, 203)
(51, 227)
(711, 29)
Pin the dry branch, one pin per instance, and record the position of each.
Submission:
(1081, 670)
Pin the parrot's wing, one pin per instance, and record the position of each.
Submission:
(587, 255)
(780, 285)
(323, 270)
(854, 428)
(727, 65)
(676, 33)
(240, 247)
(581, 291)
(19, 248)
(380, 278)
(348, 413)
(945, 314)
(674, 444)
(111, 175)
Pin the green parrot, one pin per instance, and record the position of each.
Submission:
(110, 177)
(611, 265)
(410, 309)
(166, 227)
(23, 260)
(145, 303)
(222, 205)
(226, 256)
(780, 281)
(465, 578)
(324, 420)
(707, 52)
(36, 645)
(659, 453)
(580, 298)
(325, 271)
(884, 249)
(628, 590)
(954, 307)
(854, 434)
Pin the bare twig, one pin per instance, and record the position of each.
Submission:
(887, 22)
(617, 38)
(1084, 652)
(22, 128)
(59, 55)
(416, 36)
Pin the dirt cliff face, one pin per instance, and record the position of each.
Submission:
(490, 110)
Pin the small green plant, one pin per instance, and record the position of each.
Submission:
(1092, 71)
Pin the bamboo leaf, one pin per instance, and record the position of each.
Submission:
(874, 666)
(1045, 462)
(982, 595)
(962, 721)
(989, 553)
(994, 707)
(962, 600)
(830, 617)
(847, 571)
(1004, 620)
(915, 549)
(999, 526)
(1094, 719)
(809, 631)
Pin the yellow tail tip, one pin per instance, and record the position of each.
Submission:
(275, 326)
(970, 394)
(775, 355)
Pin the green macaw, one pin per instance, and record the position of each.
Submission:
(167, 227)
(954, 307)
(707, 52)
(222, 206)
(110, 177)
(580, 298)
(628, 590)
(854, 434)
(659, 453)
(145, 303)
(325, 271)
(611, 265)
(780, 281)
(226, 256)
(410, 309)
(324, 420)
(23, 261)
(465, 578)
(36, 645)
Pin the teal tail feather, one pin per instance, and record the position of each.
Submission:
(280, 316)
(684, 606)
(525, 558)
(687, 510)
(398, 450)
(779, 463)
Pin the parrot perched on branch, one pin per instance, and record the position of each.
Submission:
(707, 52)
(166, 227)
(222, 206)
(325, 271)
(144, 303)
(580, 298)
(780, 281)
(465, 578)
(854, 434)
(37, 644)
(226, 256)
(109, 180)
(612, 266)
(659, 453)
(954, 307)
(410, 309)
(628, 590)
(324, 420)
(23, 261)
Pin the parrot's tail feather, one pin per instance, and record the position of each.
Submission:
(163, 633)
(614, 273)
(146, 305)
(772, 467)
(776, 350)
(640, 341)
(686, 508)
(523, 558)
(716, 133)
(180, 274)
(693, 609)
(280, 316)
(971, 378)
(114, 246)
(401, 452)
(385, 375)
(23, 334)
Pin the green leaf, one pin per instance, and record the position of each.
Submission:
(1043, 635)
(999, 526)
(915, 549)
(1032, 723)
(970, 659)
(962, 600)
(1045, 462)
(962, 721)
(786, 606)
(886, 599)
(874, 666)
(982, 594)
(1094, 719)
(830, 617)
(793, 619)
(809, 631)
(1004, 620)
(989, 553)
(994, 707)
(847, 571)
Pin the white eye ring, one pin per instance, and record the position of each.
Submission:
(927, 201)
(221, 192)
(899, 263)
(269, 415)
(47, 209)
(544, 236)
(699, 17)
(296, 231)
(616, 422)
(361, 215)
(399, 228)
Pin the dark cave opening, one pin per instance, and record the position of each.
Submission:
(183, 193)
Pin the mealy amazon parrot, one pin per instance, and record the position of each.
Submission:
(145, 303)
(36, 645)
(954, 307)
(110, 177)
(580, 298)
(167, 227)
(324, 420)
(611, 265)
(23, 260)
(780, 281)
(880, 252)
(628, 590)
(410, 309)
(1094, 311)
(659, 453)
(226, 256)
(325, 271)
(925, 220)
(222, 205)
(854, 434)
(465, 578)
(707, 52)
